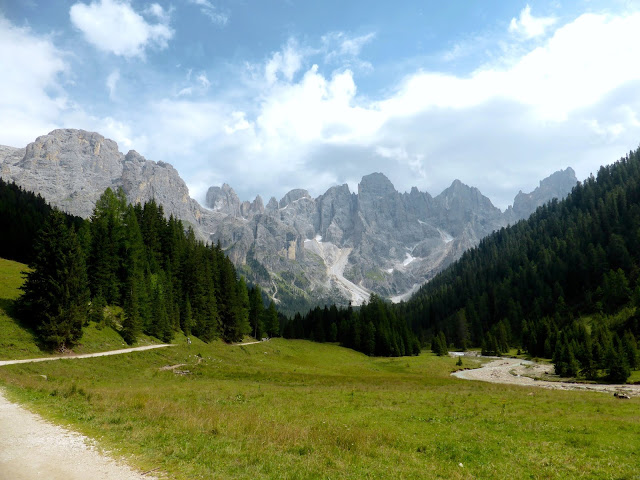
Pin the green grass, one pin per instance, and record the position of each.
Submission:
(17, 342)
(295, 409)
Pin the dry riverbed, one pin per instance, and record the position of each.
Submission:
(514, 371)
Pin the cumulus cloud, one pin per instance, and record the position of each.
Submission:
(32, 71)
(502, 127)
(215, 15)
(529, 26)
(114, 26)
(285, 63)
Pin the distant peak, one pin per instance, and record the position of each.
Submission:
(458, 186)
(376, 183)
(293, 196)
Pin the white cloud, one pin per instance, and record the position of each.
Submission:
(160, 13)
(570, 71)
(211, 11)
(32, 70)
(529, 26)
(203, 81)
(286, 63)
(239, 123)
(341, 44)
(112, 82)
(114, 26)
(502, 127)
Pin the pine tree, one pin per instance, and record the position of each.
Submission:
(132, 323)
(256, 309)
(56, 294)
(271, 322)
(187, 322)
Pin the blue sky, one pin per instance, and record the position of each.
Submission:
(277, 94)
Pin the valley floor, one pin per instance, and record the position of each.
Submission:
(291, 409)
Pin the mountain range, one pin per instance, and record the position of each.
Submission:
(336, 248)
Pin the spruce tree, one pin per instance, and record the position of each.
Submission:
(271, 322)
(56, 294)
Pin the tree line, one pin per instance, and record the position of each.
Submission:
(373, 328)
(22, 214)
(162, 277)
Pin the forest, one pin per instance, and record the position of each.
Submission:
(160, 276)
(373, 328)
(563, 284)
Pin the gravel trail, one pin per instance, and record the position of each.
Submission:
(85, 355)
(32, 448)
(513, 371)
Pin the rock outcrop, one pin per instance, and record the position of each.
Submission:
(72, 168)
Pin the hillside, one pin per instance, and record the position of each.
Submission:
(563, 283)
(18, 341)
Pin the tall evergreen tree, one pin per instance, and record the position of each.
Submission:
(56, 294)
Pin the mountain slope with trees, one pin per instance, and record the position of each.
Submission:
(163, 279)
(23, 214)
(562, 284)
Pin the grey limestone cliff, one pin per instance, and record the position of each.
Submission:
(72, 168)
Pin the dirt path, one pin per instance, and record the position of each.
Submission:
(85, 355)
(513, 371)
(32, 448)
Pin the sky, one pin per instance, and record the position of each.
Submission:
(271, 95)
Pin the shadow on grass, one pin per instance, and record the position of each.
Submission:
(9, 306)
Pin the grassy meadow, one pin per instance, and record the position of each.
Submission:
(291, 409)
(295, 409)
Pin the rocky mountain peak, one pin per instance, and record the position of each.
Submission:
(272, 205)
(133, 156)
(375, 184)
(556, 185)
(293, 196)
(223, 200)
(460, 194)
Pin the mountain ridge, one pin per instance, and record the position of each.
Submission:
(337, 247)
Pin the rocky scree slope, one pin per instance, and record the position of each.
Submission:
(338, 247)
